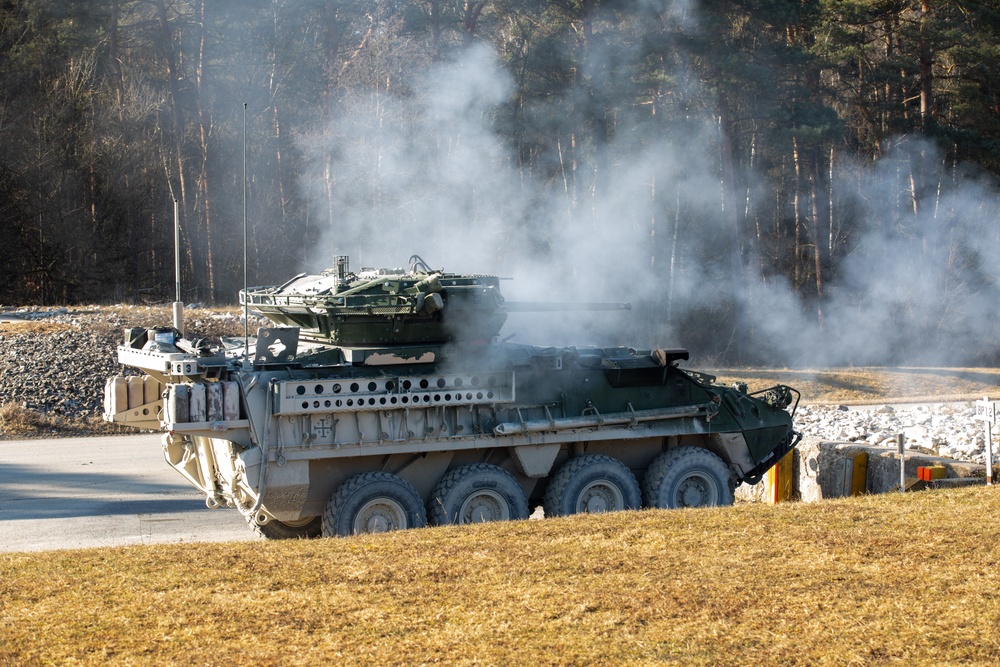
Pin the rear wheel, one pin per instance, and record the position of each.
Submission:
(687, 477)
(373, 502)
(273, 529)
(477, 493)
(592, 484)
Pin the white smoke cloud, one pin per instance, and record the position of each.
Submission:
(417, 174)
(908, 288)
(911, 288)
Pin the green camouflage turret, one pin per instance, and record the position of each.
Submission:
(394, 306)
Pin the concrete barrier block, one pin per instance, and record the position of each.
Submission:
(824, 469)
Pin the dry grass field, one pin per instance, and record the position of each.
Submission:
(862, 385)
(875, 580)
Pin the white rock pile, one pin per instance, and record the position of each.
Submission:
(61, 370)
(941, 429)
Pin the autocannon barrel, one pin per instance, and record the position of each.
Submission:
(560, 306)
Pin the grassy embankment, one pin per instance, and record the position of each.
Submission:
(874, 580)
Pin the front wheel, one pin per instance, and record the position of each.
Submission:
(687, 477)
(373, 502)
(477, 493)
(591, 484)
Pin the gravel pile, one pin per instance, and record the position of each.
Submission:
(942, 429)
(61, 373)
(56, 361)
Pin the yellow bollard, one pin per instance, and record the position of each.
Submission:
(856, 474)
(779, 485)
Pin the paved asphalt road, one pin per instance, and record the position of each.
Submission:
(73, 493)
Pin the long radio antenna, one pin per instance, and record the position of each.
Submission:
(246, 285)
(178, 304)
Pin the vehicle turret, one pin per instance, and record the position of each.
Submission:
(379, 307)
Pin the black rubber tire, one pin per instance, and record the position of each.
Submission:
(477, 493)
(373, 502)
(687, 477)
(280, 530)
(592, 484)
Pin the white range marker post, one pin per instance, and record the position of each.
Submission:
(901, 448)
(986, 410)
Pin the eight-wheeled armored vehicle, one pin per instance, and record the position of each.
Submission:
(384, 401)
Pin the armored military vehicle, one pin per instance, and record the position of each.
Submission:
(385, 401)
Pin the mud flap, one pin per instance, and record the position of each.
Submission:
(535, 460)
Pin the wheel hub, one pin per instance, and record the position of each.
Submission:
(484, 506)
(601, 496)
(695, 491)
(380, 516)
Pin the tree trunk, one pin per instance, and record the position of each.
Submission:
(173, 86)
(832, 234)
(797, 213)
(672, 272)
(470, 18)
(203, 133)
(817, 219)
(597, 109)
(435, 28)
(731, 220)
(279, 164)
(926, 67)
(331, 46)
(114, 62)
(276, 120)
